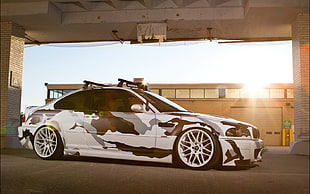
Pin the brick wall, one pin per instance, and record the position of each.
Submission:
(12, 52)
(300, 36)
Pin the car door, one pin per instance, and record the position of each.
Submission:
(71, 118)
(115, 127)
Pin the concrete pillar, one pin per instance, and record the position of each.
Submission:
(300, 37)
(12, 53)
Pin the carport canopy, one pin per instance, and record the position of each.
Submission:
(139, 21)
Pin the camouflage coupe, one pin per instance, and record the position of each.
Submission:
(129, 122)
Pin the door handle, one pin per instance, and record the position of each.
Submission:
(160, 124)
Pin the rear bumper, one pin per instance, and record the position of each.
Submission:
(25, 136)
(241, 152)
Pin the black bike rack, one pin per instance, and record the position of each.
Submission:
(87, 83)
(131, 84)
(121, 82)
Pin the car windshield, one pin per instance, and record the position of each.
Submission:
(162, 104)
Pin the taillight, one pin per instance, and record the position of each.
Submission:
(23, 118)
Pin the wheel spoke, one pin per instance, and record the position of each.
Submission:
(44, 150)
(185, 145)
(191, 159)
(184, 151)
(193, 136)
(201, 137)
(205, 154)
(206, 141)
(189, 138)
(51, 149)
(40, 143)
(198, 159)
(49, 133)
(45, 131)
(206, 149)
(185, 141)
(53, 141)
(185, 155)
(42, 136)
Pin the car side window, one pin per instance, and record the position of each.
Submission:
(79, 101)
(114, 100)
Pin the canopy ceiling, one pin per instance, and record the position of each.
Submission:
(56, 21)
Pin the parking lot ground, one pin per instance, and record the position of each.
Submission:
(23, 172)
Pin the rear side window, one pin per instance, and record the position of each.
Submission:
(114, 100)
(79, 101)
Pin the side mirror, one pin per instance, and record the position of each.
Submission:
(138, 108)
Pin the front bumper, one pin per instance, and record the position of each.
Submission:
(241, 152)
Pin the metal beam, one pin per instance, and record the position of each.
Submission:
(157, 15)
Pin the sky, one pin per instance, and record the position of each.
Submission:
(181, 62)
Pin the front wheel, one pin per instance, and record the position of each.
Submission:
(47, 143)
(196, 148)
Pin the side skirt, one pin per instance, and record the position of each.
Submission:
(117, 154)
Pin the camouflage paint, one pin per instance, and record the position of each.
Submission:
(139, 136)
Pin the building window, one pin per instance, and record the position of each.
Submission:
(221, 92)
(232, 93)
(155, 91)
(197, 93)
(182, 93)
(263, 93)
(276, 93)
(56, 93)
(211, 93)
(168, 93)
(229, 93)
(290, 93)
(252, 93)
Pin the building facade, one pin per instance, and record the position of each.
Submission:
(11, 70)
(270, 108)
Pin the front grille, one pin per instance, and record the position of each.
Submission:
(255, 133)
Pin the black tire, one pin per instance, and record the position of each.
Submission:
(47, 143)
(196, 148)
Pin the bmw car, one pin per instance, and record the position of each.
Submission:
(128, 121)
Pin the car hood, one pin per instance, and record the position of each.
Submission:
(220, 124)
(207, 117)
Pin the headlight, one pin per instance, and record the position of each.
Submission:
(237, 130)
(255, 132)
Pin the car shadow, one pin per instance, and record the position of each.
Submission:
(114, 161)
(236, 168)
(29, 154)
(143, 163)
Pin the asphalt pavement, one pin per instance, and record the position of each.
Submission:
(23, 172)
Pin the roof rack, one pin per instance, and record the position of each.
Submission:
(87, 83)
(131, 84)
(121, 82)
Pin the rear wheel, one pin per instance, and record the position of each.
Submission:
(47, 143)
(196, 149)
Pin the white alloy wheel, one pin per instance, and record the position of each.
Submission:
(47, 143)
(196, 148)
